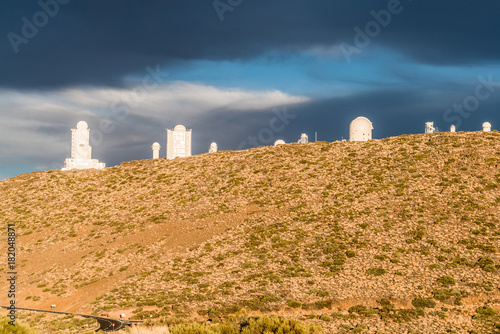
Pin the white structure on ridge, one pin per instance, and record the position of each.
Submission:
(429, 127)
(178, 142)
(81, 151)
(360, 129)
(279, 142)
(486, 126)
(453, 128)
(213, 148)
(156, 150)
(304, 139)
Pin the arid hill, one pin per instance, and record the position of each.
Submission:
(399, 235)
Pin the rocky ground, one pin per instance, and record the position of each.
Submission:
(399, 235)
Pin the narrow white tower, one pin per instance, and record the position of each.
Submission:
(179, 142)
(279, 142)
(360, 129)
(453, 128)
(213, 148)
(486, 126)
(429, 127)
(81, 151)
(156, 150)
(304, 139)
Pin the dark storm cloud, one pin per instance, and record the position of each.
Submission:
(97, 42)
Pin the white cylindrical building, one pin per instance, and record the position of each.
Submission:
(486, 126)
(360, 129)
(156, 150)
(453, 128)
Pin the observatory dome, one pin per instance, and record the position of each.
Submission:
(279, 142)
(360, 129)
(82, 125)
(486, 126)
(180, 128)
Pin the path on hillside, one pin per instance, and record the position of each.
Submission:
(105, 324)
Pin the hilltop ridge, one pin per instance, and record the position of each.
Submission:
(391, 235)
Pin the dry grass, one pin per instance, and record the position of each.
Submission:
(307, 231)
(148, 330)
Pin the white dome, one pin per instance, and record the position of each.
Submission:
(360, 129)
(180, 128)
(82, 125)
(279, 142)
(156, 145)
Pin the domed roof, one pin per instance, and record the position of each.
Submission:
(82, 125)
(180, 128)
(486, 125)
(362, 122)
(279, 142)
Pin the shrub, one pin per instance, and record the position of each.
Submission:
(376, 271)
(446, 280)
(293, 304)
(423, 302)
(350, 253)
(18, 328)
(275, 324)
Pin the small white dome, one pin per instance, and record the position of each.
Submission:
(156, 145)
(82, 125)
(180, 128)
(279, 142)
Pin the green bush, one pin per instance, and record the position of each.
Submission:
(350, 253)
(293, 304)
(18, 328)
(423, 302)
(446, 280)
(274, 324)
(376, 271)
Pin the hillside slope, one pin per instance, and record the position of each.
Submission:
(395, 235)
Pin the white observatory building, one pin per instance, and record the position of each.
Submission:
(156, 150)
(360, 129)
(213, 148)
(81, 151)
(429, 127)
(453, 128)
(486, 126)
(279, 142)
(178, 142)
(304, 139)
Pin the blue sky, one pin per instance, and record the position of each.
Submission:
(226, 79)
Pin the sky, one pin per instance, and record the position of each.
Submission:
(238, 72)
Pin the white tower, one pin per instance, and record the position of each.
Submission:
(156, 150)
(453, 128)
(178, 142)
(81, 151)
(429, 127)
(304, 139)
(213, 148)
(486, 126)
(360, 129)
(279, 142)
